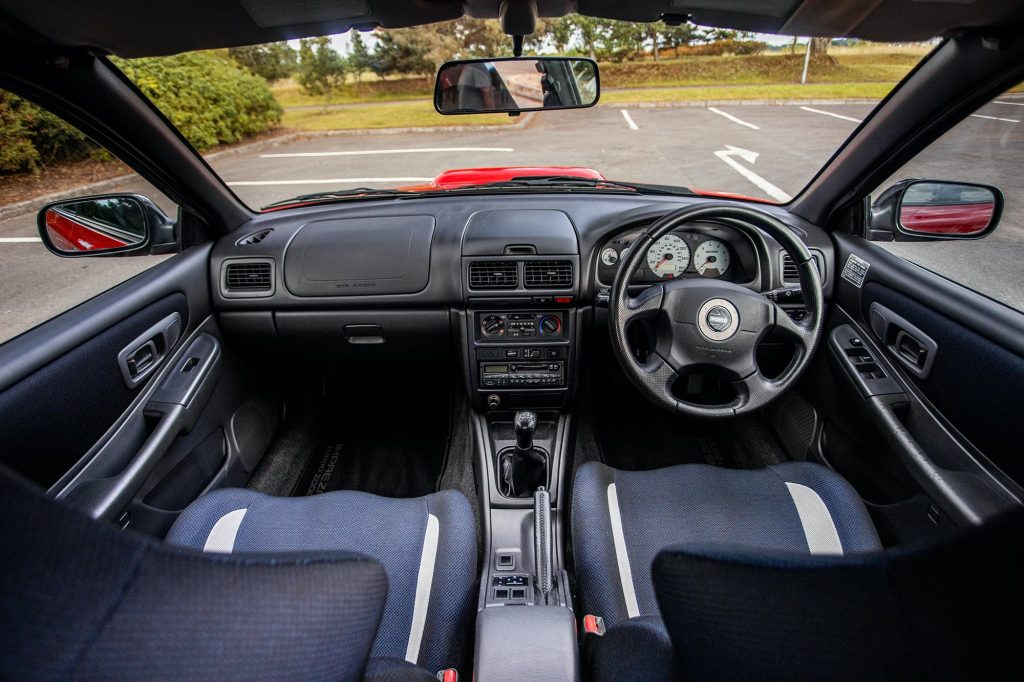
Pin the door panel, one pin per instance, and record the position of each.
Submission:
(957, 360)
(75, 423)
(54, 415)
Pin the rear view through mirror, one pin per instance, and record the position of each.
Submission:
(487, 86)
(918, 210)
(948, 209)
(126, 224)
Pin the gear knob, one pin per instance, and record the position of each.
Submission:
(524, 423)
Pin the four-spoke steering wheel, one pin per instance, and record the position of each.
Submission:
(701, 323)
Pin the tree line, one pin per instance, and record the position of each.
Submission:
(321, 70)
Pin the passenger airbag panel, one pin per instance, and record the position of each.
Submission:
(360, 256)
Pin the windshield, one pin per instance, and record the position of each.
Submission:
(702, 110)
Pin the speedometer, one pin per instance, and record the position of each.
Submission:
(668, 257)
(711, 259)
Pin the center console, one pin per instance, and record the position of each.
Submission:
(515, 354)
(521, 284)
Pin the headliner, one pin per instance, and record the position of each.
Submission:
(157, 27)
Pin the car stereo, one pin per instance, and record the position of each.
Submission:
(515, 374)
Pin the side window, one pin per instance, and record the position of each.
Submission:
(945, 226)
(43, 160)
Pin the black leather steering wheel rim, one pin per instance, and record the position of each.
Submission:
(681, 308)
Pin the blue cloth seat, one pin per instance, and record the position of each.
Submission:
(621, 520)
(427, 546)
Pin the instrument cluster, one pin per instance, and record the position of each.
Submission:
(711, 251)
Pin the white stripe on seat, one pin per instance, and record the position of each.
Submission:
(819, 529)
(621, 557)
(423, 584)
(222, 535)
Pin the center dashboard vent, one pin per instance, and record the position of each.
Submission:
(248, 277)
(547, 274)
(789, 272)
(494, 275)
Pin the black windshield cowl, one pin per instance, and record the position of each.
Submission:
(548, 183)
(340, 194)
(572, 181)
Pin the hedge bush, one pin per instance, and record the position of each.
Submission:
(31, 136)
(206, 95)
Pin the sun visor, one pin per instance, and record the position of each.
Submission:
(275, 13)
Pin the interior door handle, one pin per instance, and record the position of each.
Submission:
(910, 346)
(139, 358)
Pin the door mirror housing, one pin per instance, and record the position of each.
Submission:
(110, 224)
(923, 210)
(514, 85)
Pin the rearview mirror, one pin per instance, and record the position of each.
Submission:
(110, 224)
(915, 210)
(514, 85)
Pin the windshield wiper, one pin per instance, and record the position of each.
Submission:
(569, 182)
(361, 192)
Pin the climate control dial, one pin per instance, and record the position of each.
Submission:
(493, 325)
(549, 325)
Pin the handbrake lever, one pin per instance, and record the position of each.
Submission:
(542, 540)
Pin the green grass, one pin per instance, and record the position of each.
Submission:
(403, 115)
(289, 94)
(405, 102)
(781, 69)
(875, 91)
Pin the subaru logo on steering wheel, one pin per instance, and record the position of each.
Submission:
(719, 319)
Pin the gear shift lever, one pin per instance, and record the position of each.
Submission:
(524, 423)
(524, 467)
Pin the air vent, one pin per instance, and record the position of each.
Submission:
(248, 277)
(789, 271)
(254, 238)
(493, 275)
(547, 274)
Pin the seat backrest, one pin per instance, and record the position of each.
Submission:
(81, 599)
(946, 611)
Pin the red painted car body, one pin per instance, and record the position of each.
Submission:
(469, 177)
(947, 219)
(69, 234)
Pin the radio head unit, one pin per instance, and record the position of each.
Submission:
(515, 374)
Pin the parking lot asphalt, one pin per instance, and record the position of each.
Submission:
(768, 151)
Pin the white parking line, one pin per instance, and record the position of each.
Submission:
(829, 113)
(367, 152)
(750, 157)
(996, 118)
(321, 181)
(733, 118)
(20, 240)
(1012, 104)
(629, 120)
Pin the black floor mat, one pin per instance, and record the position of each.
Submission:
(368, 443)
(634, 434)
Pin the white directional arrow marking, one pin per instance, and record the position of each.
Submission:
(750, 157)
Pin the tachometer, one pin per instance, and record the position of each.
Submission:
(711, 258)
(668, 257)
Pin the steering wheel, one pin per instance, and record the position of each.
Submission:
(710, 323)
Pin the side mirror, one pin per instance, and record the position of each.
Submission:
(112, 224)
(923, 210)
(514, 85)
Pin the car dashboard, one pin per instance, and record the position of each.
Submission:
(511, 285)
